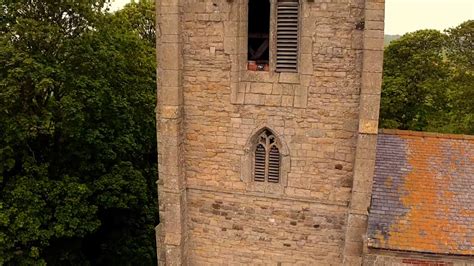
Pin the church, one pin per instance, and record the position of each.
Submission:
(269, 149)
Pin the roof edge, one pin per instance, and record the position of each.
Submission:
(420, 252)
(424, 134)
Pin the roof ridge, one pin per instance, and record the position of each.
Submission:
(424, 134)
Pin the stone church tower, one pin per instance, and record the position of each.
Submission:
(267, 124)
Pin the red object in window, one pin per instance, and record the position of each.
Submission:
(252, 65)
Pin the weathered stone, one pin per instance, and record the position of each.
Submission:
(212, 109)
(261, 88)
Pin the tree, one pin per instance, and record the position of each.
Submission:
(77, 136)
(427, 84)
(414, 73)
(460, 54)
(141, 16)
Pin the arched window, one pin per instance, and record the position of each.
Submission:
(267, 159)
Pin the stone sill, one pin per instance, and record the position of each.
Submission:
(270, 77)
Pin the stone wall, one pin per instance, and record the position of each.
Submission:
(210, 105)
(321, 137)
(236, 229)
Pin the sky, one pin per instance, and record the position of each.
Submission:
(402, 16)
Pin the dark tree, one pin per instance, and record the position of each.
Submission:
(77, 135)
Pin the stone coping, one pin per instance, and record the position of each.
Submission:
(424, 134)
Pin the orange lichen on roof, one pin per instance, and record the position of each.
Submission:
(430, 205)
(424, 202)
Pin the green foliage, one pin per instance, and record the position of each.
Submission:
(141, 16)
(460, 52)
(77, 135)
(427, 85)
(390, 38)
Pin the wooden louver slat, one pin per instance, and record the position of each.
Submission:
(260, 156)
(287, 36)
(274, 165)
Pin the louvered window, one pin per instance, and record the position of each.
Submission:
(287, 36)
(267, 159)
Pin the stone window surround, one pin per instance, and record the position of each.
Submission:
(248, 159)
(235, 44)
(272, 43)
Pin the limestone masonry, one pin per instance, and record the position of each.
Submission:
(305, 77)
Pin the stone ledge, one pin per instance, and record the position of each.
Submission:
(269, 196)
(424, 134)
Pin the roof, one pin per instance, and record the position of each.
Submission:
(423, 193)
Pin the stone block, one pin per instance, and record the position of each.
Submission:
(231, 29)
(168, 125)
(369, 106)
(352, 261)
(353, 248)
(290, 78)
(170, 9)
(301, 96)
(170, 59)
(367, 126)
(363, 184)
(374, 43)
(308, 26)
(306, 46)
(287, 100)
(254, 99)
(360, 202)
(230, 45)
(372, 61)
(374, 14)
(375, 5)
(374, 25)
(170, 78)
(172, 239)
(171, 98)
(174, 255)
(273, 100)
(371, 82)
(306, 64)
(356, 234)
(357, 40)
(364, 170)
(169, 24)
(169, 38)
(261, 88)
(367, 142)
(374, 34)
(357, 221)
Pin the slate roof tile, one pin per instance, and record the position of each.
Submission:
(423, 193)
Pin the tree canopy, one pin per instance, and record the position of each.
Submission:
(428, 81)
(77, 125)
(77, 133)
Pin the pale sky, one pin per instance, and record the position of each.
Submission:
(402, 16)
